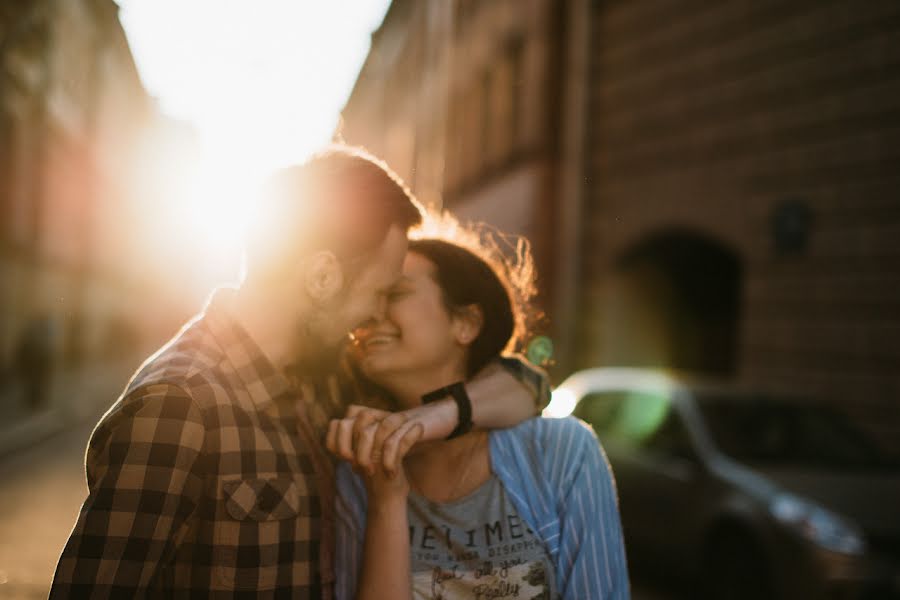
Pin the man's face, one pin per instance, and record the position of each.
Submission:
(365, 293)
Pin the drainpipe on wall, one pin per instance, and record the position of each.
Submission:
(571, 182)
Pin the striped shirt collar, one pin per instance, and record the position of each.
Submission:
(263, 381)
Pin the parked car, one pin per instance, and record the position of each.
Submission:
(746, 495)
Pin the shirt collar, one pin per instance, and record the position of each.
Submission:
(263, 381)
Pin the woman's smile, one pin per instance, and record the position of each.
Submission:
(415, 338)
(374, 341)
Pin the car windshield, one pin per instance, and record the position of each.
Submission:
(780, 433)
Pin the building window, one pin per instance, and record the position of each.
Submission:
(501, 92)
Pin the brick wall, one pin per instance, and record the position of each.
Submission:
(705, 116)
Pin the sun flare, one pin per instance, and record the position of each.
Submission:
(261, 87)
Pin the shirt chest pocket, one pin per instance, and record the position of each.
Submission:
(254, 536)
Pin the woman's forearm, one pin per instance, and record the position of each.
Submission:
(386, 563)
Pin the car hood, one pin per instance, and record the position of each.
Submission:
(870, 498)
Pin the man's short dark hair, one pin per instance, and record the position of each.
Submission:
(342, 199)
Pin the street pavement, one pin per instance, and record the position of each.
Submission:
(41, 492)
(42, 489)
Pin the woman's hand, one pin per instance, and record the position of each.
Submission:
(372, 440)
(375, 442)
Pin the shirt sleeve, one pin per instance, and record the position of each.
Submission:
(144, 481)
(350, 527)
(592, 550)
(532, 377)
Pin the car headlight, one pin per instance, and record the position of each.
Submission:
(818, 524)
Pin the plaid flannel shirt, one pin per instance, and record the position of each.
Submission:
(208, 477)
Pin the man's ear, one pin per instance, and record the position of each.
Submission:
(467, 323)
(323, 277)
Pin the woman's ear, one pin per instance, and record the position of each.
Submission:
(323, 277)
(467, 323)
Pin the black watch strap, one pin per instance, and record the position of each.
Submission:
(457, 391)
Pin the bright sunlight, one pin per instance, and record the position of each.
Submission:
(261, 84)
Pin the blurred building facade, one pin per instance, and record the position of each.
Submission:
(463, 100)
(76, 131)
(710, 186)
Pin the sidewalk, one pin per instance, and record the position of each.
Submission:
(77, 394)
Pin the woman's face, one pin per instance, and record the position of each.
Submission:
(417, 334)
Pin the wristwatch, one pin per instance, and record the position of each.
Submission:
(457, 391)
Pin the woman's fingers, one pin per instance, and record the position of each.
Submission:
(368, 438)
(398, 444)
(355, 409)
(365, 422)
(342, 433)
(370, 442)
(365, 456)
(353, 438)
(388, 426)
(344, 439)
(362, 420)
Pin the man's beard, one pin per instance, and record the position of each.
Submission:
(314, 356)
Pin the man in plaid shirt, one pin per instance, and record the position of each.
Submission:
(208, 477)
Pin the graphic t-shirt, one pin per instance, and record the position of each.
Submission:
(476, 548)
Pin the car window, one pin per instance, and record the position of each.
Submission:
(671, 438)
(782, 432)
(632, 417)
(599, 409)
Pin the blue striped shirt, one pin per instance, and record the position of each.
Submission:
(560, 482)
